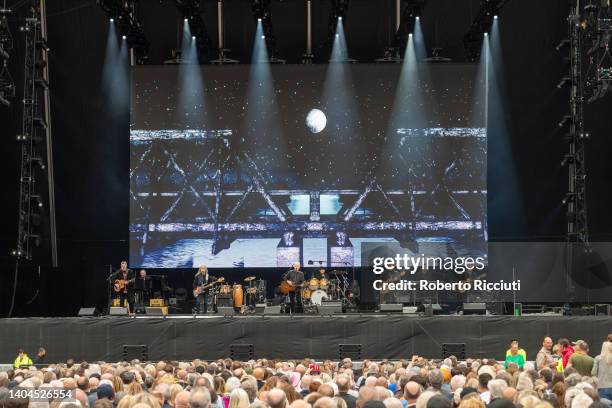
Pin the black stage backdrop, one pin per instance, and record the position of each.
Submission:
(92, 153)
(380, 337)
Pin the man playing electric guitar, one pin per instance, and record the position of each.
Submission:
(122, 285)
(201, 282)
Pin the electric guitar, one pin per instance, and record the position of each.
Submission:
(199, 289)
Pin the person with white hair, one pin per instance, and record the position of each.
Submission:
(232, 384)
(581, 400)
(458, 381)
(424, 398)
(393, 403)
(496, 390)
(602, 369)
(200, 398)
(239, 399)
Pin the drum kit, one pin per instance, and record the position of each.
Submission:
(241, 297)
(336, 288)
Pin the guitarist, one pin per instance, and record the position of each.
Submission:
(202, 278)
(125, 276)
(295, 278)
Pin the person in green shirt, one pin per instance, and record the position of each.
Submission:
(22, 360)
(520, 350)
(514, 356)
(580, 360)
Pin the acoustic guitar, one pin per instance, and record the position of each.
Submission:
(286, 287)
(120, 284)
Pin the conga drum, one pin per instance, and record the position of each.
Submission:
(237, 294)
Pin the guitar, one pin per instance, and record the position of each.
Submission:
(120, 284)
(288, 286)
(198, 290)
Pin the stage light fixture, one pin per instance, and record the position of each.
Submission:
(123, 37)
(185, 20)
(569, 197)
(562, 44)
(193, 37)
(564, 81)
(418, 18)
(568, 158)
(486, 34)
(112, 20)
(495, 16)
(565, 120)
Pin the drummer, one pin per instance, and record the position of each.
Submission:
(320, 274)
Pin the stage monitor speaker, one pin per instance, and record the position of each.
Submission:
(226, 311)
(474, 308)
(329, 307)
(391, 308)
(453, 349)
(352, 351)
(259, 308)
(225, 301)
(118, 311)
(272, 310)
(135, 352)
(87, 311)
(602, 309)
(242, 352)
(432, 309)
(156, 311)
(410, 309)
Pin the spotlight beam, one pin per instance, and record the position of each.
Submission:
(472, 40)
(122, 13)
(263, 15)
(192, 11)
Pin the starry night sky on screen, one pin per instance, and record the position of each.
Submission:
(357, 109)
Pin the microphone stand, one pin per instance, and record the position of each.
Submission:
(109, 286)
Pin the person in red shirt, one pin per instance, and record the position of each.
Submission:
(566, 350)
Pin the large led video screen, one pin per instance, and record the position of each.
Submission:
(261, 166)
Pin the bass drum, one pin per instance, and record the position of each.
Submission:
(237, 294)
(306, 293)
(313, 284)
(318, 296)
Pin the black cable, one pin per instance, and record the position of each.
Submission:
(10, 313)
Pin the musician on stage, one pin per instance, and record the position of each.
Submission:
(142, 289)
(202, 278)
(295, 278)
(125, 276)
(321, 274)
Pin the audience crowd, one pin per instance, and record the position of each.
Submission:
(559, 376)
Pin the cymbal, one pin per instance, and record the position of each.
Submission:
(248, 279)
(221, 279)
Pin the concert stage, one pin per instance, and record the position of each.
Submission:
(210, 337)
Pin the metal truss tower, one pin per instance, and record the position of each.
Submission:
(36, 141)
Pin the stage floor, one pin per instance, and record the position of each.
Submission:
(392, 336)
